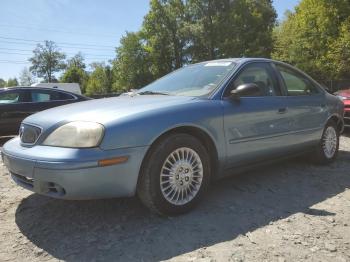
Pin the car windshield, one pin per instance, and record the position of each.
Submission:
(194, 80)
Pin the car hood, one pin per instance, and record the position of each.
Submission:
(106, 110)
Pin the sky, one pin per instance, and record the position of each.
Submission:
(90, 26)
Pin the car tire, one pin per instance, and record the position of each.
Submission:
(175, 175)
(327, 150)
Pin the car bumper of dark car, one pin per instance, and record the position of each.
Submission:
(46, 171)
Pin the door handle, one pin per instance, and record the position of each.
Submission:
(282, 110)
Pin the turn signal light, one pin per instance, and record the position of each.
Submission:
(113, 161)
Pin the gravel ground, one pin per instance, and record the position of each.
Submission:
(290, 211)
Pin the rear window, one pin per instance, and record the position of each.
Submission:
(63, 96)
(45, 96)
(297, 84)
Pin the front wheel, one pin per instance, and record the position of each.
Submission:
(327, 150)
(175, 175)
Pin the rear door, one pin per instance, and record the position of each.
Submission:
(254, 126)
(306, 106)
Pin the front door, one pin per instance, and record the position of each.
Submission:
(254, 126)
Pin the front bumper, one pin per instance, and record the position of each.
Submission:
(74, 174)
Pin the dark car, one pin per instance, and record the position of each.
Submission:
(17, 103)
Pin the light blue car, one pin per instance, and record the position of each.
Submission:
(167, 141)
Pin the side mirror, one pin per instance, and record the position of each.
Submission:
(249, 89)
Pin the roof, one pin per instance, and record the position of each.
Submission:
(37, 88)
(240, 60)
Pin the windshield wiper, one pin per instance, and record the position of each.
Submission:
(152, 93)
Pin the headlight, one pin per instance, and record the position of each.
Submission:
(77, 134)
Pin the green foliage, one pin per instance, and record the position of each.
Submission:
(77, 61)
(131, 67)
(2, 83)
(47, 60)
(165, 36)
(75, 75)
(26, 78)
(177, 32)
(225, 28)
(315, 38)
(339, 55)
(12, 82)
(75, 72)
(100, 80)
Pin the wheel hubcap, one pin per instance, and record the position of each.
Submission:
(181, 176)
(330, 142)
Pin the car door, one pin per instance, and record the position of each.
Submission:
(306, 107)
(254, 126)
(13, 105)
(45, 99)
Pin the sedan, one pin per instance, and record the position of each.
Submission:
(17, 103)
(166, 142)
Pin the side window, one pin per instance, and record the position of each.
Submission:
(296, 84)
(40, 96)
(9, 97)
(259, 74)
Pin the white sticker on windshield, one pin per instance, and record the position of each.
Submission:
(218, 64)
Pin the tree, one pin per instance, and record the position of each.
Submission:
(315, 38)
(163, 30)
(2, 83)
(47, 60)
(339, 54)
(177, 32)
(12, 82)
(26, 78)
(224, 28)
(75, 75)
(131, 67)
(75, 72)
(77, 61)
(100, 80)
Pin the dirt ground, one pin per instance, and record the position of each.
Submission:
(291, 211)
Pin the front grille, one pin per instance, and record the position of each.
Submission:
(29, 134)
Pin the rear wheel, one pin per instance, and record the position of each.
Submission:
(327, 150)
(175, 175)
